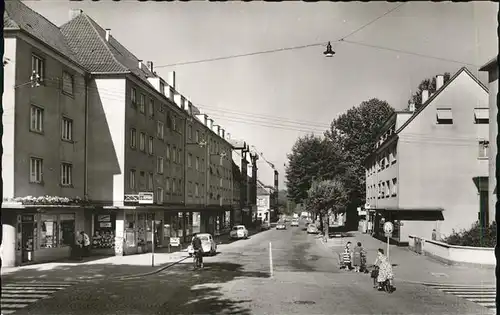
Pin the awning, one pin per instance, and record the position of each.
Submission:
(444, 114)
(413, 214)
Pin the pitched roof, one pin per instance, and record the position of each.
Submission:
(463, 69)
(18, 16)
(88, 39)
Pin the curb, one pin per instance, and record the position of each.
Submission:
(456, 285)
(125, 277)
(331, 252)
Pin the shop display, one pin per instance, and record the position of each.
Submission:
(104, 231)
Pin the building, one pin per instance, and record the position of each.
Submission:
(44, 102)
(429, 168)
(492, 68)
(264, 196)
(136, 160)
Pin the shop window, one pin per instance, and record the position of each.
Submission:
(141, 229)
(130, 231)
(196, 222)
(48, 235)
(104, 231)
(180, 226)
(66, 229)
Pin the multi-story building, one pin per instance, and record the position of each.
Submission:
(428, 168)
(44, 103)
(492, 68)
(264, 194)
(133, 162)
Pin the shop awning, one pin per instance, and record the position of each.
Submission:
(413, 214)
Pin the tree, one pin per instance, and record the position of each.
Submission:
(354, 134)
(326, 197)
(311, 157)
(426, 84)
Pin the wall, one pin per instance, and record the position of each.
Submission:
(48, 145)
(493, 130)
(9, 122)
(438, 162)
(106, 138)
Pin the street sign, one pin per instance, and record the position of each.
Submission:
(146, 198)
(388, 227)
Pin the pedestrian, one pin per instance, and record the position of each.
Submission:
(347, 257)
(434, 235)
(384, 269)
(84, 244)
(357, 258)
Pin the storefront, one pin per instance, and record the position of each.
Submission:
(139, 228)
(180, 225)
(103, 233)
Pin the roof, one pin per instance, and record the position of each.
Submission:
(88, 39)
(18, 16)
(490, 64)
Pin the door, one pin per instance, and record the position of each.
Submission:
(28, 234)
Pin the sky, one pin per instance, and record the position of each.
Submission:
(269, 100)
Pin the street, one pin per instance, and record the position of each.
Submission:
(306, 280)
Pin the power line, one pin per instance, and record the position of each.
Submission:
(263, 52)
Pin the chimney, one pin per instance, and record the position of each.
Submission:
(411, 107)
(150, 66)
(439, 81)
(108, 34)
(425, 96)
(73, 13)
(171, 79)
(140, 64)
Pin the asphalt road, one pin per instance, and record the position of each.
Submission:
(306, 280)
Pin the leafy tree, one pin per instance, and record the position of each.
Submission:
(427, 84)
(311, 157)
(326, 197)
(354, 134)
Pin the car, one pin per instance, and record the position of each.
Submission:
(265, 226)
(295, 223)
(238, 231)
(312, 229)
(281, 226)
(207, 243)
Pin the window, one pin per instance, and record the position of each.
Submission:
(151, 108)
(197, 164)
(159, 165)
(190, 132)
(174, 123)
(133, 97)
(179, 156)
(131, 180)
(444, 116)
(167, 184)
(394, 186)
(150, 145)
(48, 233)
(160, 130)
(142, 141)
(169, 121)
(67, 129)
(174, 154)
(66, 229)
(36, 119)
(484, 149)
(481, 115)
(197, 136)
(387, 189)
(67, 83)
(174, 186)
(66, 174)
(142, 179)
(159, 195)
(36, 170)
(38, 66)
(133, 138)
(150, 181)
(196, 190)
(162, 88)
(167, 153)
(189, 162)
(180, 186)
(142, 103)
(190, 191)
(202, 165)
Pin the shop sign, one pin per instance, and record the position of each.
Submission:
(175, 241)
(146, 198)
(105, 224)
(104, 218)
(28, 218)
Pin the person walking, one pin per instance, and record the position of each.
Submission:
(84, 243)
(384, 269)
(347, 257)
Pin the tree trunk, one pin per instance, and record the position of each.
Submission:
(325, 226)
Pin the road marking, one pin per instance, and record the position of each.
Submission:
(270, 259)
(484, 296)
(19, 295)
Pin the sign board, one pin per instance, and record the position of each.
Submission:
(175, 241)
(388, 234)
(388, 227)
(146, 198)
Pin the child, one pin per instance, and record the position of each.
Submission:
(347, 257)
(357, 258)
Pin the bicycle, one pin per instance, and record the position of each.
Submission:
(197, 260)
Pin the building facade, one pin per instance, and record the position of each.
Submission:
(492, 68)
(429, 168)
(263, 202)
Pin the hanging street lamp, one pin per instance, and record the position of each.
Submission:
(329, 51)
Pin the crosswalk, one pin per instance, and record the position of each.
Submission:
(16, 296)
(482, 295)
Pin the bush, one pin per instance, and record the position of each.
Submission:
(476, 236)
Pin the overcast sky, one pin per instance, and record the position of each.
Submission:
(271, 99)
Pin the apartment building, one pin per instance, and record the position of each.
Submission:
(263, 202)
(429, 168)
(44, 102)
(492, 68)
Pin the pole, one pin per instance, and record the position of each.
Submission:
(270, 260)
(387, 246)
(153, 241)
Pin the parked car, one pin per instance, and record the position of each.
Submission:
(207, 243)
(238, 231)
(265, 226)
(281, 226)
(312, 229)
(295, 223)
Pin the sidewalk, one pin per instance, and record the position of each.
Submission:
(412, 267)
(96, 268)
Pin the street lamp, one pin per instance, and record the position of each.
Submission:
(329, 51)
